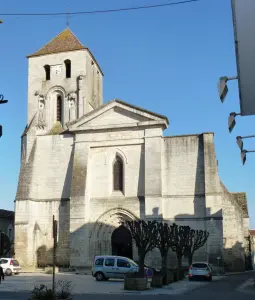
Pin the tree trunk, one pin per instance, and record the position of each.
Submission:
(141, 263)
(190, 258)
(164, 262)
(179, 261)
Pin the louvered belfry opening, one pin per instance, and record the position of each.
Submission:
(118, 174)
(47, 72)
(59, 108)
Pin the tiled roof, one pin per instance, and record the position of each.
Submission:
(241, 199)
(63, 42)
(252, 232)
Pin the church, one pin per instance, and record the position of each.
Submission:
(94, 165)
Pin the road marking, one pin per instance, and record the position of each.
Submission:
(243, 286)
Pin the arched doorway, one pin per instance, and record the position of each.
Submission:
(122, 242)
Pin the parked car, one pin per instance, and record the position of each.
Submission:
(105, 267)
(200, 270)
(10, 266)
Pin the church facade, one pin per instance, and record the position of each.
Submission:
(95, 165)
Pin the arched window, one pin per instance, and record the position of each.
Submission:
(118, 174)
(47, 72)
(59, 108)
(68, 68)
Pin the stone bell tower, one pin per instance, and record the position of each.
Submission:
(64, 83)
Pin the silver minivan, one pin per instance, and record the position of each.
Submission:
(108, 266)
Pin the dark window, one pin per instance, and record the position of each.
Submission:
(15, 263)
(47, 72)
(109, 262)
(68, 68)
(199, 266)
(3, 261)
(99, 262)
(123, 263)
(118, 175)
(59, 108)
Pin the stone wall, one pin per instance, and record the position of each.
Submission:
(44, 190)
(233, 232)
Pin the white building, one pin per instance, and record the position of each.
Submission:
(93, 165)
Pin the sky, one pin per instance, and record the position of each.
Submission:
(167, 60)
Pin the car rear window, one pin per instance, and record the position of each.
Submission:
(15, 263)
(3, 261)
(199, 266)
(99, 262)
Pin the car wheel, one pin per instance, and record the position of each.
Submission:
(99, 276)
(8, 272)
(210, 279)
(190, 279)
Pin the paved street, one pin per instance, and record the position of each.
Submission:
(17, 288)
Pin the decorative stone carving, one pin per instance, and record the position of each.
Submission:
(41, 110)
(72, 106)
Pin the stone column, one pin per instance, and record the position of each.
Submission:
(79, 247)
(153, 176)
(81, 105)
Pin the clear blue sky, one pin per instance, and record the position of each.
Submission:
(167, 60)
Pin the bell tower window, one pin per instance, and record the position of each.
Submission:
(59, 108)
(47, 72)
(68, 68)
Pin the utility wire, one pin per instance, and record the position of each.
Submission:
(100, 11)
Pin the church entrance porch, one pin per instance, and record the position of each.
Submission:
(108, 236)
(122, 242)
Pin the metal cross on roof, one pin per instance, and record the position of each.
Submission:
(67, 18)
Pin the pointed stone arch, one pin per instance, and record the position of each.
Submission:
(117, 152)
(103, 228)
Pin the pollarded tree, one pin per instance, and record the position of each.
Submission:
(196, 240)
(164, 241)
(180, 236)
(144, 234)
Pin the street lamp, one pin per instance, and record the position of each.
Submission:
(239, 140)
(2, 101)
(222, 86)
(232, 121)
(243, 155)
